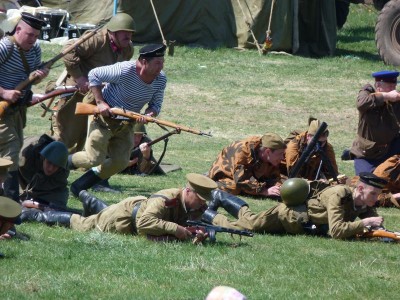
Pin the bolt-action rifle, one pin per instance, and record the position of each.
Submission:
(312, 147)
(212, 230)
(58, 91)
(33, 77)
(90, 109)
(136, 151)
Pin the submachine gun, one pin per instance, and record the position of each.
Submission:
(315, 147)
(212, 230)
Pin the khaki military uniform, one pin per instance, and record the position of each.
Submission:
(334, 206)
(295, 149)
(97, 51)
(237, 169)
(158, 215)
(377, 125)
(36, 185)
(279, 219)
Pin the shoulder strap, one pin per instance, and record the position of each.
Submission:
(169, 203)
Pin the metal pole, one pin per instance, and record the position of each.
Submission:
(115, 7)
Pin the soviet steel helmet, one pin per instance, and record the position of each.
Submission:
(57, 153)
(294, 191)
(121, 21)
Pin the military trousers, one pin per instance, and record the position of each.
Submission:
(11, 133)
(116, 218)
(108, 147)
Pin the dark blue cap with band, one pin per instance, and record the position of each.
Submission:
(386, 76)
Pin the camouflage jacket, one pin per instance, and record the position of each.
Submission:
(237, 169)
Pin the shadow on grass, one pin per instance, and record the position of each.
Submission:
(356, 35)
(361, 54)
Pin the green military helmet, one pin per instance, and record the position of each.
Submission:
(56, 153)
(294, 191)
(121, 21)
(139, 128)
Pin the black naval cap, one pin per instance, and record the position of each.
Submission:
(386, 76)
(153, 50)
(32, 21)
(372, 180)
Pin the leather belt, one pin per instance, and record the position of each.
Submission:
(134, 213)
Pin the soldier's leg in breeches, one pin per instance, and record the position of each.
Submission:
(229, 202)
(91, 204)
(50, 217)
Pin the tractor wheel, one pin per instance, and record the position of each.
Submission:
(387, 33)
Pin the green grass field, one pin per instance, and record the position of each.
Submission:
(232, 95)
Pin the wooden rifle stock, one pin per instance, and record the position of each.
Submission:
(90, 109)
(32, 77)
(381, 233)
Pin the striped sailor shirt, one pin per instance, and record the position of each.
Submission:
(125, 89)
(12, 70)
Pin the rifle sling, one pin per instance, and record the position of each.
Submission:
(161, 156)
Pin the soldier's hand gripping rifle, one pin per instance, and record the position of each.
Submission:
(310, 149)
(212, 230)
(136, 151)
(33, 76)
(90, 109)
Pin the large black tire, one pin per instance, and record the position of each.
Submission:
(387, 33)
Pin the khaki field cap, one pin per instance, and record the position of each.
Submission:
(314, 124)
(9, 208)
(272, 141)
(4, 165)
(202, 185)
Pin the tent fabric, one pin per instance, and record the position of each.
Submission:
(304, 27)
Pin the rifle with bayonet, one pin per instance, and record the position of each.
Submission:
(212, 230)
(311, 148)
(90, 109)
(33, 77)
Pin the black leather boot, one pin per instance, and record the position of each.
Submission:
(91, 204)
(84, 182)
(208, 216)
(50, 217)
(104, 186)
(11, 186)
(70, 165)
(229, 202)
